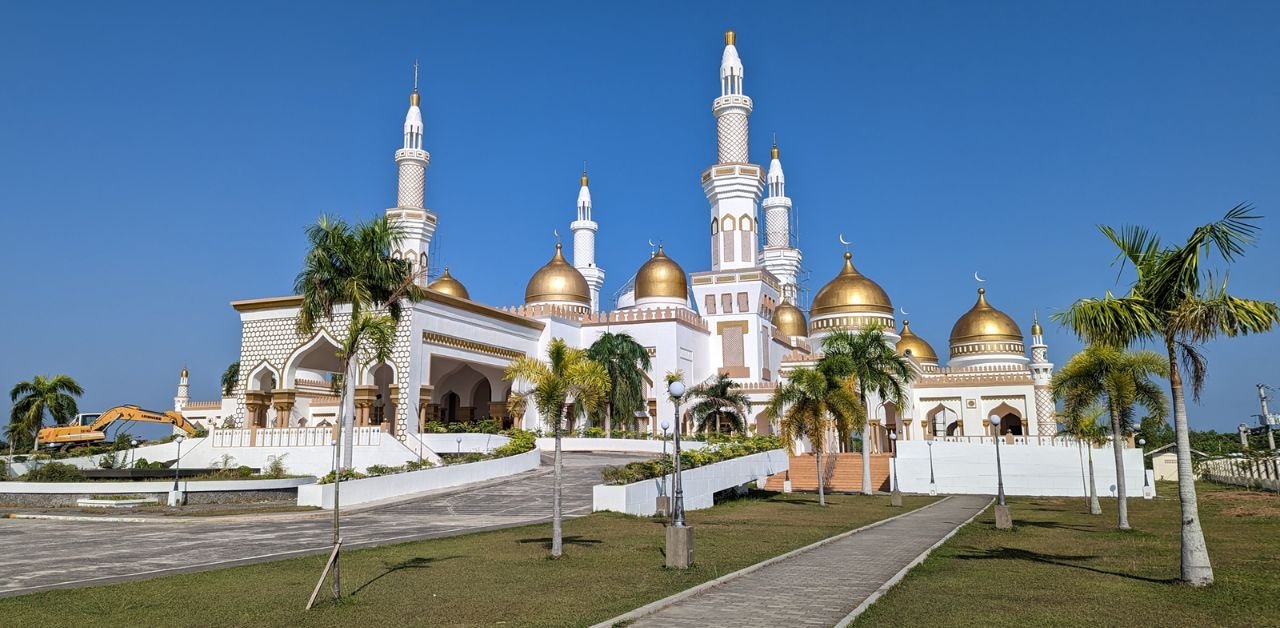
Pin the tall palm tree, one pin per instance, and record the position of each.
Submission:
(566, 378)
(626, 361)
(810, 404)
(1084, 427)
(1118, 379)
(867, 356)
(230, 378)
(352, 265)
(718, 400)
(1176, 302)
(40, 398)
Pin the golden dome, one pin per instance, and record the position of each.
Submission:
(1036, 330)
(557, 282)
(850, 292)
(184, 371)
(661, 276)
(789, 320)
(919, 349)
(446, 284)
(984, 323)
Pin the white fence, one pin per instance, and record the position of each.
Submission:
(626, 445)
(1046, 470)
(163, 486)
(700, 484)
(403, 484)
(290, 437)
(1043, 441)
(1250, 472)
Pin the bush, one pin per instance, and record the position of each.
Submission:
(54, 472)
(110, 460)
(4, 471)
(720, 447)
(521, 441)
(347, 475)
(275, 466)
(201, 433)
(244, 472)
(376, 470)
(593, 432)
(434, 427)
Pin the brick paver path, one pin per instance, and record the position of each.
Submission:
(819, 587)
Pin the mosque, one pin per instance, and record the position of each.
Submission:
(741, 318)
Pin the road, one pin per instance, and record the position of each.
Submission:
(40, 554)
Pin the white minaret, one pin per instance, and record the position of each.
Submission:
(1041, 373)
(778, 256)
(733, 185)
(584, 244)
(410, 211)
(184, 392)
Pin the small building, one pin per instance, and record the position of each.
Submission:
(1164, 462)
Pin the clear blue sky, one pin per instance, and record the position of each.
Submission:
(161, 159)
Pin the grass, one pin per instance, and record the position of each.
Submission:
(1063, 567)
(613, 563)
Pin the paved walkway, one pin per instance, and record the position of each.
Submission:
(821, 586)
(41, 554)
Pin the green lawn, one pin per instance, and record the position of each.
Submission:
(1062, 567)
(612, 564)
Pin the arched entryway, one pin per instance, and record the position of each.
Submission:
(1010, 419)
(943, 421)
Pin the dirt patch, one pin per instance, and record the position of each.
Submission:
(1245, 503)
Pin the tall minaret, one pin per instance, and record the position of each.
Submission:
(184, 392)
(733, 185)
(410, 211)
(584, 244)
(1041, 373)
(779, 257)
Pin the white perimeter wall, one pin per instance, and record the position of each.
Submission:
(970, 468)
(629, 445)
(401, 484)
(115, 488)
(700, 484)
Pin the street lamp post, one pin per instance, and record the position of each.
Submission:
(679, 534)
(133, 453)
(933, 484)
(663, 506)
(459, 441)
(175, 496)
(1003, 520)
(1146, 483)
(895, 496)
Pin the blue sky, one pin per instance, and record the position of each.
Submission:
(162, 159)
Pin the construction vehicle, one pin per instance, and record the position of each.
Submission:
(91, 429)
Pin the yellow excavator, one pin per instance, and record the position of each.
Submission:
(89, 433)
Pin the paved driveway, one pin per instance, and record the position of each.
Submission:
(42, 554)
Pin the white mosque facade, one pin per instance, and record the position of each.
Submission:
(739, 318)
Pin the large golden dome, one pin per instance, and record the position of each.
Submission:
(919, 349)
(446, 284)
(850, 292)
(558, 282)
(984, 323)
(789, 320)
(661, 276)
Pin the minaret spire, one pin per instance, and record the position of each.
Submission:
(410, 212)
(183, 396)
(584, 243)
(780, 256)
(732, 185)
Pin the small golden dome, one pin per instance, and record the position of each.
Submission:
(661, 276)
(789, 320)
(919, 349)
(557, 282)
(184, 371)
(446, 284)
(730, 38)
(1036, 330)
(984, 323)
(850, 292)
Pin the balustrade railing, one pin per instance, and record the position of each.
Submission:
(364, 436)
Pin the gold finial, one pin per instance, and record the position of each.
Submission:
(414, 98)
(730, 38)
(184, 370)
(584, 173)
(773, 152)
(982, 291)
(1036, 330)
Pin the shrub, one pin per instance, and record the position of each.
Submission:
(417, 465)
(521, 441)
(201, 433)
(244, 472)
(720, 447)
(275, 466)
(593, 432)
(4, 471)
(54, 472)
(109, 460)
(376, 470)
(347, 475)
(434, 427)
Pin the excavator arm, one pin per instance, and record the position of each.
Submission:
(96, 432)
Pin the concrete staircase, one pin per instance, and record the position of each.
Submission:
(843, 473)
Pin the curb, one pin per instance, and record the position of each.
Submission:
(891, 582)
(658, 605)
(90, 518)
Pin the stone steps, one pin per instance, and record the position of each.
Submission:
(843, 473)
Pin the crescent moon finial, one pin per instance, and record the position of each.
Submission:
(904, 312)
(977, 278)
(556, 233)
(844, 241)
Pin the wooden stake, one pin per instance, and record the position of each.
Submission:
(323, 574)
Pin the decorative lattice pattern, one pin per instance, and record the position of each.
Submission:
(413, 180)
(1045, 411)
(775, 226)
(731, 137)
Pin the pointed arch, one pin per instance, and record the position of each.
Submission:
(728, 224)
(260, 377)
(744, 222)
(312, 348)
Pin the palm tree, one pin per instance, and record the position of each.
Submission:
(810, 404)
(867, 356)
(626, 361)
(1177, 303)
(230, 378)
(566, 378)
(38, 399)
(718, 400)
(352, 265)
(1119, 379)
(1084, 427)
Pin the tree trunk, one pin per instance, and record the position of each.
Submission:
(557, 540)
(866, 446)
(1197, 571)
(822, 496)
(608, 421)
(1117, 446)
(347, 419)
(1094, 507)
